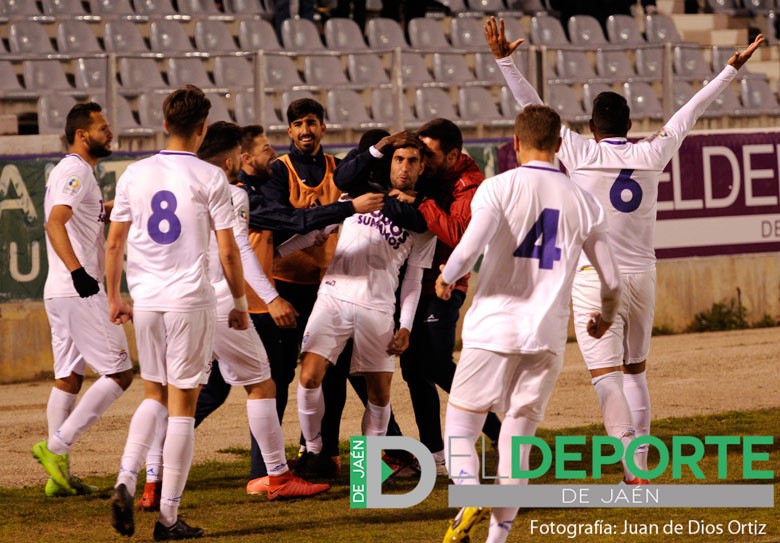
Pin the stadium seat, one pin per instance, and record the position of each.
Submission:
(10, 86)
(659, 28)
(343, 34)
(727, 103)
(427, 34)
(564, 100)
(452, 68)
(257, 34)
(682, 92)
(757, 97)
(168, 36)
(642, 100)
(121, 36)
(245, 113)
(293, 95)
(30, 39)
(486, 6)
(528, 7)
(52, 112)
(650, 62)
(586, 31)
(457, 6)
(384, 34)
(219, 109)
(413, 69)
(200, 9)
(126, 123)
(188, 71)
(547, 30)
(589, 93)
(467, 33)
(249, 8)
(345, 108)
(214, 36)
(140, 75)
(721, 56)
(67, 9)
(281, 73)
(477, 104)
(383, 106)
(367, 69)
(614, 65)
(487, 70)
(622, 30)
(733, 8)
(574, 65)
(47, 76)
(301, 35)
(155, 8)
(150, 110)
(324, 72)
(431, 103)
(23, 9)
(759, 7)
(689, 63)
(513, 28)
(114, 9)
(77, 38)
(91, 74)
(233, 72)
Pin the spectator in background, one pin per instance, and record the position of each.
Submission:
(357, 8)
(281, 11)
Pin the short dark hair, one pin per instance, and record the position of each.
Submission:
(371, 137)
(79, 118)
(611, 114)
(302, 107)
(221, 137)
(539, 127)
(248, 135)
(445, 132)
(184, 109)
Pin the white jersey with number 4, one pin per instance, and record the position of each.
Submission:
(369, 255)
(539, 222)
(72, 183)
(624, 176)
(174, 200)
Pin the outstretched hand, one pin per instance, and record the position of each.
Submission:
(739, 59)
(496, 38)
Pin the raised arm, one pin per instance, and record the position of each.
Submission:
(502, 50)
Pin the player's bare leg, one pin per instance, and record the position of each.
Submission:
(638, 398)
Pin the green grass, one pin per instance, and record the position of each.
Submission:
(215, 499)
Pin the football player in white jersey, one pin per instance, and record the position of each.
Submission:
(531, 224)
(74, 299)
(623, 176)
(165, 209)
(356, 299)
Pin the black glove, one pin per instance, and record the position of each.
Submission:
(85, 284)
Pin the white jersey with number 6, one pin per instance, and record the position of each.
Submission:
(174, 200)
(539, 222)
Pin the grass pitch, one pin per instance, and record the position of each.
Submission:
(215, 499)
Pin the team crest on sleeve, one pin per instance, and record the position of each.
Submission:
(244, 215)
(663, 134)
(72, 186)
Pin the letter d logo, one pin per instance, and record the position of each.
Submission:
(367, 472)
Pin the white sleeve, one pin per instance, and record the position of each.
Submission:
(253, 273)
(524, 93)
(220, 204)
(410, 295)
(483, 225)
(596, 248)
(682, 122)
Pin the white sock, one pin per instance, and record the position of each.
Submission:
(264, 425)
(94, 403)
(461, 430)
(177, 459)
(638, 398)
(501, 518)
(375, 419)
(139, 437)
(614, 408)
(58, 408)
(154, 458)
(311, 408)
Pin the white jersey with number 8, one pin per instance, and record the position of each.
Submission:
(174, 200)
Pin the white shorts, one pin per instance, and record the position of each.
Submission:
(82, 335)
(628, 339)
(175, 348)
(519, 385)
(333, 322)
(241, 355)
